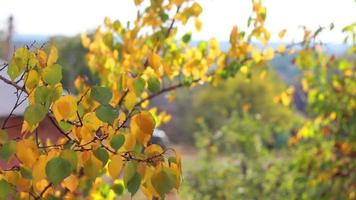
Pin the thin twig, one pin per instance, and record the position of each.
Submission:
(7, 81)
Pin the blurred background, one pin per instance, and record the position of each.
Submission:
(234, 138)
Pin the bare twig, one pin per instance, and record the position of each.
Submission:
(7, 81)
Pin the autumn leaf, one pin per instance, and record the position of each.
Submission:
(142, 125)
(65, 108)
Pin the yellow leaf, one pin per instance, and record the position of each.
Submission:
(39, 168)
(32, 80)
(65, 108)
(196, 9)
(130, 141)
(53, 56)
(281, 49)
(348, 72)
(138, 2)
(26, 128)
(27, 152)
(71, 182)
(282, 33)
(268, 54)
(256, 56)
(39, 186)
(12, 177)
(85, 135)
(130, 100)
(42, 58)
(198, 24)
(142, 125)
(91, 121)
(154, 61)
(178, 2)
(85, 40)
(153, 150)
(115, 166)
(244, 69)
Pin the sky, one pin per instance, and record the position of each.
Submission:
(70, 17)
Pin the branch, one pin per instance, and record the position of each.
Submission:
(173, 87)
(60, 130)
(17, 104)
(43, 191)
(172, 23)
(7, 81)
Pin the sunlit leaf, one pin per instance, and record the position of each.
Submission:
(53, 56)
(52, 74)
(65, 108)
(115, 165)
(35, 113)
(142, 125)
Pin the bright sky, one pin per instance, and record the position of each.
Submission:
(69, 17)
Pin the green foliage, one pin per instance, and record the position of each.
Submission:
(34, 114)
(107, 113)
(52, 74)
(101, 94)
(102, 155)
(242, 139)
(117, 141)
(153, 85)
(7, 150)
(5, 189)
(58, 169)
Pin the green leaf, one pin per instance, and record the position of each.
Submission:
(4, 137)
(117, 141)
(164, 17)
(118, 188)
(101, 94)
(44, 96)
(92, 168)
(104, 190)
(107, 113)
(52, 74)
(129, 171)
(5, 189)
(51, 197)
(26, 173)
(134, 183)
(138, 148)
(58, 169)
(102, 155)
(65, 126)
(34, 114)
(70, 156)
(139, 85)
(186, 37)
(203, 46)
(154, 85)
(13, 70)
(163, 181)
(18, 63)
(7, 150)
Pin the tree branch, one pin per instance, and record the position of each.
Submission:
(7, 81)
